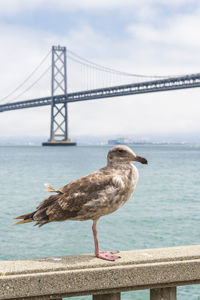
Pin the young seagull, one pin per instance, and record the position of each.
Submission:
(92, 196)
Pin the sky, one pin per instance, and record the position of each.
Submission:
(154, 37)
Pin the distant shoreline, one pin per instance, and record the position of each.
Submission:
(103, 145)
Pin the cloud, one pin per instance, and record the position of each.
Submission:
(173, 45)
(13, 7)
(180, 31)
(144, 7)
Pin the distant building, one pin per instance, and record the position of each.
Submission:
(128, 141)
(120, 141)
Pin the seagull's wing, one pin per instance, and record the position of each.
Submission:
(80, 196)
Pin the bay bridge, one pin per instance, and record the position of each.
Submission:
(62, 93)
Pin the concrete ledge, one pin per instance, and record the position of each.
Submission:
(86, 275)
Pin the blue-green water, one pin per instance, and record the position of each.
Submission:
(163, 212)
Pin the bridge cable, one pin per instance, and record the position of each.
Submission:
(31, 74)
(89, 63)
(34, 83)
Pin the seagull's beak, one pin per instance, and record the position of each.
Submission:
(142, 160)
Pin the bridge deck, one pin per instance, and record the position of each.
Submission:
(172, 83)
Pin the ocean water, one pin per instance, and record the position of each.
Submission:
(163, 212)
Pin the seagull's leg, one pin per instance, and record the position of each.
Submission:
(107, 255)
(96, 245)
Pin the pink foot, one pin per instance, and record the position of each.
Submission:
(108, 255)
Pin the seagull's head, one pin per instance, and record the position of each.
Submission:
(123, 154)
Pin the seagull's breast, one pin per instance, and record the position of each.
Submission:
(132, 179)
(125, 183)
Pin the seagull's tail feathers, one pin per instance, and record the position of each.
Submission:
(51, 189)
(26, 218)
(21, 222)
(41, 214)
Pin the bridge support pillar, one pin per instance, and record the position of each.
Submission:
(59, 113)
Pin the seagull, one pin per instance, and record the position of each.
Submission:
(92, 196)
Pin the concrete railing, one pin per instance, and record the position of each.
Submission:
(159, 270)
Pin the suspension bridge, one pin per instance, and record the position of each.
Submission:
(95, 82)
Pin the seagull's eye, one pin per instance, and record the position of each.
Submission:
(121, 151)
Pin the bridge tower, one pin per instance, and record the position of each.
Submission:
(59, 113)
